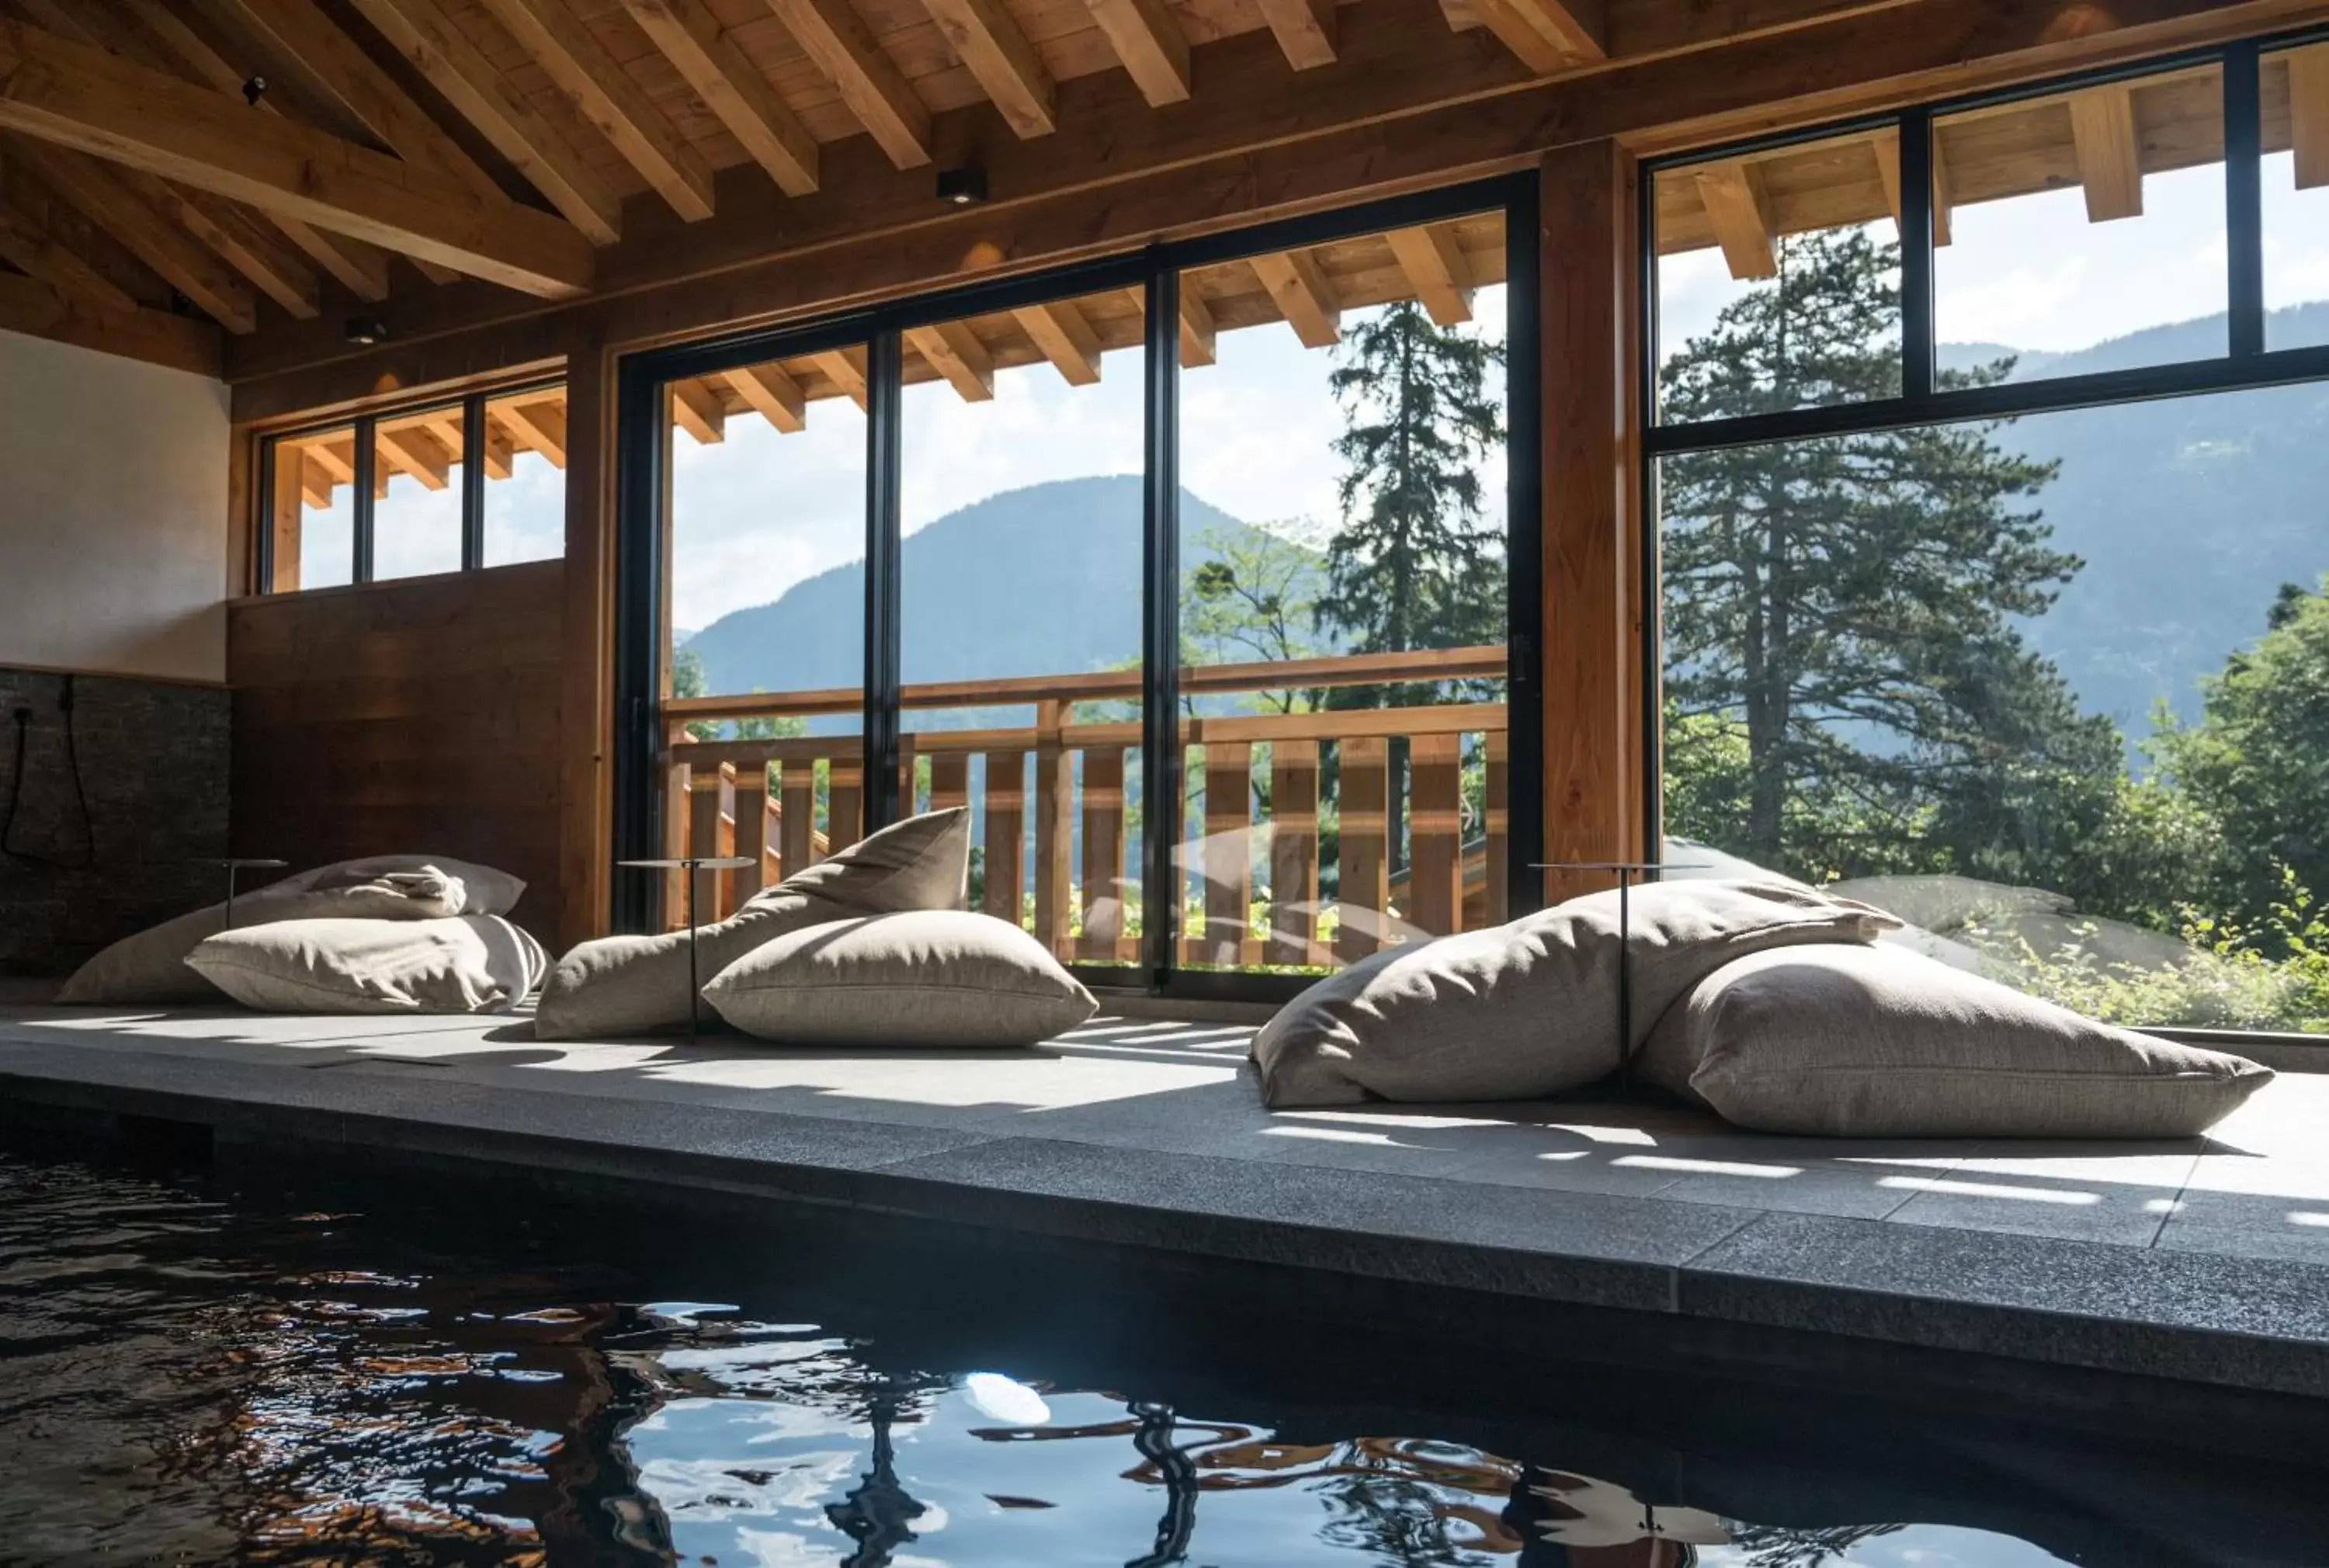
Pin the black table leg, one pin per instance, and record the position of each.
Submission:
(1624, 981)
(690, 875)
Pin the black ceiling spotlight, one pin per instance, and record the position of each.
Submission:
(964, 187)
(366, 330)
(252, 90)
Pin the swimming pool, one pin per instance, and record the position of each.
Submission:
(198, 1370)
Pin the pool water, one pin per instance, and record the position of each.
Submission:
(195, 1370)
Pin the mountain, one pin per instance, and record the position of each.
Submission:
(1035, 581)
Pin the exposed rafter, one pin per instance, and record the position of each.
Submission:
(30, 305)
(2309, 113)
(603, 93)
(416, 452)
(480, 93)
(772, 393)
(1305, 29)
(1147, 38)
(736, 93)
(696, 408)
(1197, 328)
(836, 40)
(1303, 297)
(846, 367)
(535, 426)
(1741, 213)
(28, 246)
(1546, 35)
(81, 97)
(1434, 266)
(954, 350)
(1066, 338)
(131, 216)
(993, 49)
(2110, 157)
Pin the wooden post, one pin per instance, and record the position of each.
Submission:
(1293, 852)
(1054, 816)
(1104, 885)
(1006, 826)
(1596, 752)
(586, 694)
(284, 516)
(1228, 852)
(1496, 904)
(1363, 866)
(1435, 865)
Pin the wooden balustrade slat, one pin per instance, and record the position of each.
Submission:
(1293, 852)
(1054, 820)
(1227, 855)
(1435, 873)
(949, 779)
(712, 830)
(797, 807)
(751, 832)
(1363, 864)
(1496, 798)
(1103, 895)
(678, 824)
(844, 802)
(1006, 795)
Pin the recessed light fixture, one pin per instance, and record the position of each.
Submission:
(962, 187)
(366, 330)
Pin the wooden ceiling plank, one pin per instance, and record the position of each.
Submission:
(28, 245)
(83, 97)
(768, 391)
(449, 61)
(403, 450)
(732, 89)
(697, 410)
(846, 367)
(133, 217)
(1148, 39)
(1303, 295)
(835, 39)
(2309, 113)
(954, 350)
(1066, 337)
(2109, 150)
(1545, 35)
(1304, 30)
(1197, 329)
(603, 94)
(1740, 213)
(995, 49)
(1435, 265)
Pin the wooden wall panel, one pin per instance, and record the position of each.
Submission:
(420, 716)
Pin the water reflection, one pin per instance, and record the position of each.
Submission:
(192, 1382)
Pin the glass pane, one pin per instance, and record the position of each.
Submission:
(1022, 562)
(1994, 678)
(2296, 197)
(416, 519)
(1778, 279)
(525, 477)
(2082, 231)
(312, 514)
(764, 618)
(1342, 600)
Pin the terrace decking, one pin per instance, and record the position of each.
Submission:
(2205, 1260)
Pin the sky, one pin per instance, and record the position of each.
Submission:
(761, 510)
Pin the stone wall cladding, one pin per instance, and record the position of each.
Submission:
(153, 762)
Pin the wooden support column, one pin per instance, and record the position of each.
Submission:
(1595, 748)
(586, 700)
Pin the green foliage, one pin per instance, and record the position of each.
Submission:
(687, 681)
(1254, 599)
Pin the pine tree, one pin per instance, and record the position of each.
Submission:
(1414, 564)
(1841, 613)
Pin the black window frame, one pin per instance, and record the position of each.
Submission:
(642, 460)
(364, 428)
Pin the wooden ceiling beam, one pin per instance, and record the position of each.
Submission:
(415, 453)
(39, 309)
(267, 262)
(27, 244)
(603, 94)
(2109, 150)
(132, 217)
(1304, 30)
(1740, 211)
(994, 48)
(1198, 332)
(833, 37)
(2309, 113)
(1147, 38)
(533, 426)
(772, 393)
(1303, 297)
(1546, 35)
(1065, 335)
(83, 97)
(315, 485)
(335, 454)
(952, 349)
(846, 367)
(1436, 269)
(697, 410)
(481, 94)
(732, 89)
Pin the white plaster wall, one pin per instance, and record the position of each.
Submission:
(113, 538)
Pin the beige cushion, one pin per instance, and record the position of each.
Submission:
(1883, 1042)
(934, 977)
(1527, 1009)
(150, 967)
(486, 890)
(631, 985)
(469, 963)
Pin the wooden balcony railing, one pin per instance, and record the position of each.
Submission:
(1320, 836)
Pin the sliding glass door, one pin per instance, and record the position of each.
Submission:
(1187, 573)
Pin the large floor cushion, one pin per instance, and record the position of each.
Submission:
(1527, 1009)
(469, 963)
(1883, 1042)
(150, 968)
(631, 985)
(935, 977)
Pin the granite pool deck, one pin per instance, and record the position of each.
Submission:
(2205, 1260)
